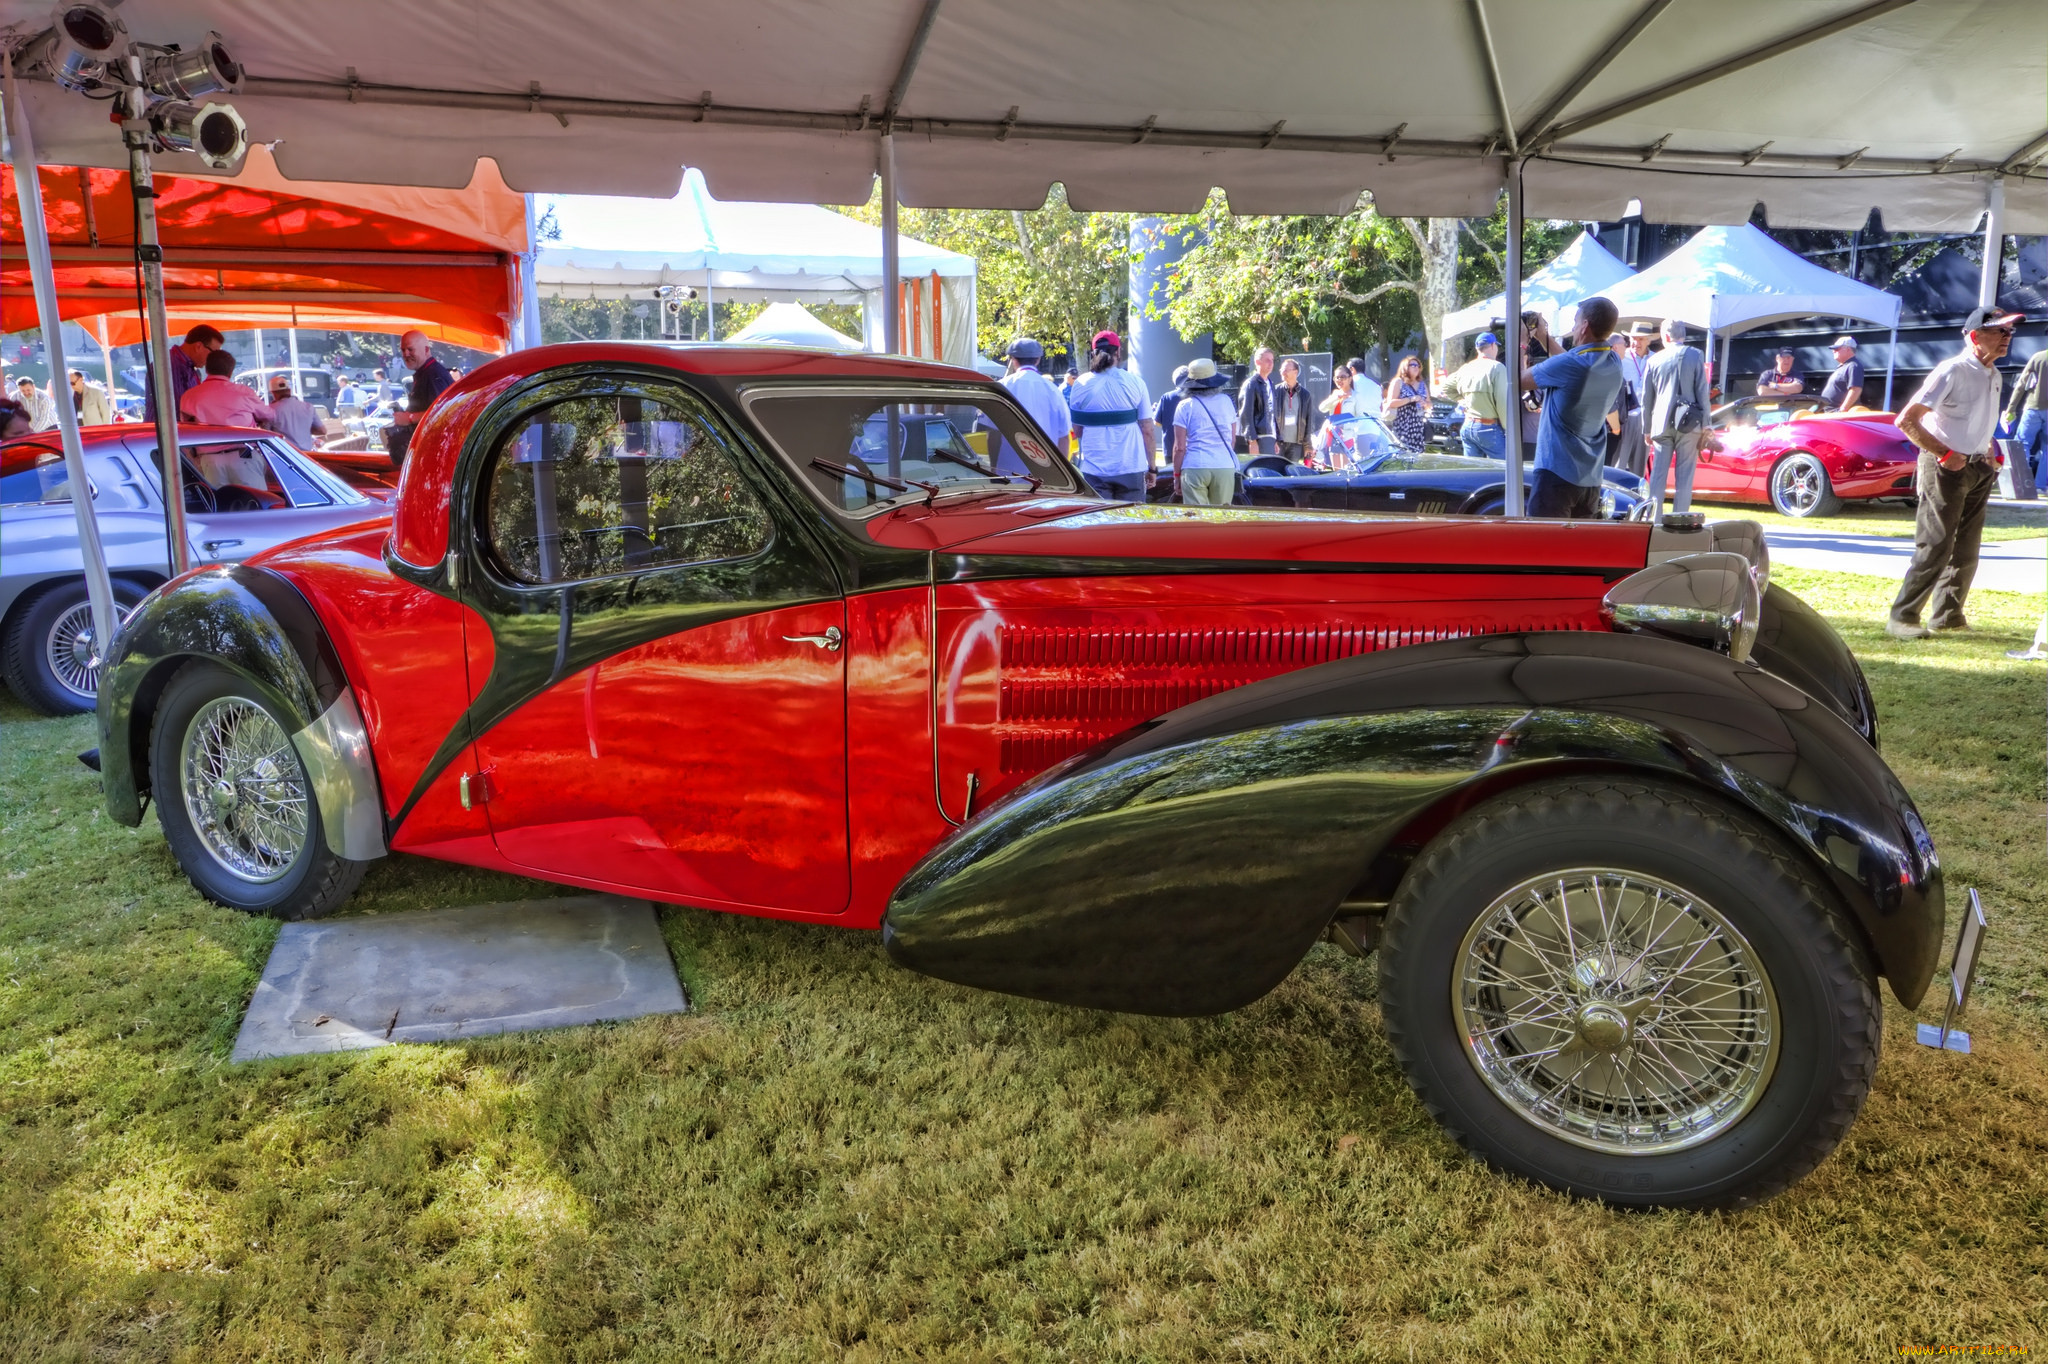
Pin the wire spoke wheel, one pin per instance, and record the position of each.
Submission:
(244, 789)
(1616, 1011)
(70, 653)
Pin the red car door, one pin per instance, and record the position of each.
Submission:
(681, 728)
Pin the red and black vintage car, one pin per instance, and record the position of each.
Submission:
(843, 639)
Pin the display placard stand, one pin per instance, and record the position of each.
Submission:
(1962, 972)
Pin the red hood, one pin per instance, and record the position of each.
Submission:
(1067, 527)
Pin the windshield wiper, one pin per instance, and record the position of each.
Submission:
(989, 474)
(931, 490)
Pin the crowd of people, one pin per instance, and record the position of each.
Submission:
(205, 390)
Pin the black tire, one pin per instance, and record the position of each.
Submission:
(1824, 1014)
(39, 662)
(299, 879)
(1799, 486)
(1494, 504)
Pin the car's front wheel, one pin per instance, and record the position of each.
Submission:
(236, 805)
(1800, 487)
(1627, 992)
(50, 656)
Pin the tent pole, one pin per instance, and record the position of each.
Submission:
(107, 358)
(1994, 243)
(529, 286)
(35, 233)
(1891, 367)
(291, 345)
(150, 253)
(892, 320)
(710, 310)
(1511, 421)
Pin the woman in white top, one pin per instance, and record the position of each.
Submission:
(1112, 416)
(1205, 438)
(1331, 445)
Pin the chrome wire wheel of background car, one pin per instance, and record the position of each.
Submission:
(1616, 1011)
(1800, 487)
(68, 650)
(244, 789)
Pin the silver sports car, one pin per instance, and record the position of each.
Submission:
(245, 490)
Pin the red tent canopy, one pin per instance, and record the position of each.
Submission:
(259, 250)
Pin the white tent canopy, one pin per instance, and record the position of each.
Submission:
(617, 247)
(613, 247)
(1579, 271)
(1729, 279)
(1819, 110)
(791, 324)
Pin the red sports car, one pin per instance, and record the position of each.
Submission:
(1801, 459)
(843, 639)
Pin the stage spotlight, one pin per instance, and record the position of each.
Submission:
(87, 38)
(215, 131)
(204, 69)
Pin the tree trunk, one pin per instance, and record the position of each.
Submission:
(1439, 284)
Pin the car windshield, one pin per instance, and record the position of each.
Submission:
(865, 451)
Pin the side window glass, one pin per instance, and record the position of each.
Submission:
(296, 485)
(598, 486)
(239, 475)
(31, 475)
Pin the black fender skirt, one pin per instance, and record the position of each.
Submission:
(1187, 865)
(1794, 641)
(249, 620)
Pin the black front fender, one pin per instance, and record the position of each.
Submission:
(254, 623)
(1186, 866)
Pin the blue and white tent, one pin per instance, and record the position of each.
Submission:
(1580, 270)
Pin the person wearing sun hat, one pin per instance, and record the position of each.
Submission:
(1205, 438)
(1112, 416)
(1951, 418)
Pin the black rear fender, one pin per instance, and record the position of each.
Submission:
(1187, 866)
(254, 623)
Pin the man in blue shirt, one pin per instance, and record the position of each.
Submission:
(1579, 387)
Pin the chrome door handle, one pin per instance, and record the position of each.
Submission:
(214, 547)
(831, 639)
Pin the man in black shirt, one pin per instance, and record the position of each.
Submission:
(1845, 385)
(430, 379)
(1779, 381)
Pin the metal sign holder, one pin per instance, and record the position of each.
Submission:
(1962, 973)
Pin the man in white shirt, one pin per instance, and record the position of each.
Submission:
(1111, 413)
(1205, 438)
(296, 420)
(1039, 396)
(1951, 418)
(1634, 454)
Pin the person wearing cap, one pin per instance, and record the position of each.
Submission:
(1845, 386)
(1481, 386)
(1951, 418)
(1205, 439)
(1039, 396)
(1779, 381)
(1111, 414)
(2028, 415)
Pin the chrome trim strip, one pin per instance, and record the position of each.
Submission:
(336, 752)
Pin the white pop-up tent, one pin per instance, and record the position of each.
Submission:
(1580, 270)
(791, 324)
(1730, 279)
(737, 252)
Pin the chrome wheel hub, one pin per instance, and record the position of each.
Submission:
(1798, 487)
(1616, 1011)
(244, 789)
(70, 652)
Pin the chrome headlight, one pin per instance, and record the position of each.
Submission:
(1711, 599)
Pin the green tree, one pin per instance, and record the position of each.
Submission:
(1349, 282)
(1050, 272)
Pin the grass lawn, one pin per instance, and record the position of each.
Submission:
(2009, 522)
(831, 1158)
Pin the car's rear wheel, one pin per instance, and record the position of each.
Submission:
(1800, 487)
(1628, 992)
(237, 808)
(50, 656)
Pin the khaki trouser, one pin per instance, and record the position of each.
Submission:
(1947, 530)
(1208, 487)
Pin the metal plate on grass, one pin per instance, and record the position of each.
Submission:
(443, 974)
